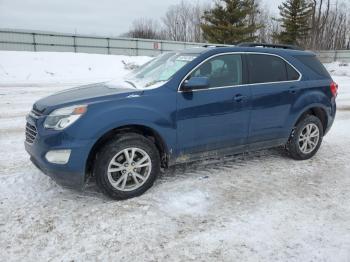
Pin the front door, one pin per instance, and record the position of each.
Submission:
(216, 117)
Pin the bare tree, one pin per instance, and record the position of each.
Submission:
(269, 28)
(254, 17)
(336, 30)
(197, 14)
(182, 22)
(318, 20)
(144, 28)
(329, 22)
(329, 25)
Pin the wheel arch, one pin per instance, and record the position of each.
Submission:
(317, 111)
(143, 130)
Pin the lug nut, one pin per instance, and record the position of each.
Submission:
(129, 174)
(135, 169)
(133, 163)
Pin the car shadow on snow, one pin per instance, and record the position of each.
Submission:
(201, 169)
(208, 166)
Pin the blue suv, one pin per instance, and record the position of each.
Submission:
(182, 106)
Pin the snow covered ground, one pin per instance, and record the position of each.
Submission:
(259, 206)
(30, 68)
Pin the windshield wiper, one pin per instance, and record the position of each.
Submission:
(131, 83)
(154, 82)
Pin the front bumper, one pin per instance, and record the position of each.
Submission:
(71, 174)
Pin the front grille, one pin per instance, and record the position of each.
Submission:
(30, 133)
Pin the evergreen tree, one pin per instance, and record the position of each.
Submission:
(230, 21)
(295, 15)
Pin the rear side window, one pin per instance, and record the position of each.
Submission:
(292, 73)
(314, 64)
(269, 69)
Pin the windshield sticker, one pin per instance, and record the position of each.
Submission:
(185, 58)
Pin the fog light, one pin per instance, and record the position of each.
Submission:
(58, 156)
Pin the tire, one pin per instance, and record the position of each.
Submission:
(296, 144)
(110, 166)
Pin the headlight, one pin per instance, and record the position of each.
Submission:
(64, 117)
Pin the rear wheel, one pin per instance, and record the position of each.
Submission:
(127, 167)
(306, 138)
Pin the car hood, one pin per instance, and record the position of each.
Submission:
(82, 94)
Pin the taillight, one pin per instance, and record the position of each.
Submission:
(334, 89)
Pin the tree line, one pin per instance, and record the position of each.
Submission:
(311, 24)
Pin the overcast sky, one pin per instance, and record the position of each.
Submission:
(104, 17)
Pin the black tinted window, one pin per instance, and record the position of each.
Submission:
(312, 62)
(292, 73)
(266, 68)
(223, 70)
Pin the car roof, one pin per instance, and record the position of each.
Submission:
(211, 50)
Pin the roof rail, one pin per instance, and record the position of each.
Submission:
(248, 44)
(213, 45)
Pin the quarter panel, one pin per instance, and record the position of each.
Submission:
(315, 94)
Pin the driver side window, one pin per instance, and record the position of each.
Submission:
(222, 71)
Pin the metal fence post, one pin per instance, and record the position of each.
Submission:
(108, 47)
(34, 42)
(74, 43)
(137, 47)
(335, 55)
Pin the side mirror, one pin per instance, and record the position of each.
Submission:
(197, 82)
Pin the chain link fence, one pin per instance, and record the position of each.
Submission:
(15, 40)
(41, 41)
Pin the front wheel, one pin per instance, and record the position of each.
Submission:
(306, 138)
(127, 167)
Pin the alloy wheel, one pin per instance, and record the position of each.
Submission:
(308, 138)
(129, 169)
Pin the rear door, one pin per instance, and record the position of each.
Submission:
(275, 85)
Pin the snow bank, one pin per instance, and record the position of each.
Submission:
(23, 68)
(338, 68)
(341, 74)
(49, 68)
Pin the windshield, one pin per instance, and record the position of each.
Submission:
(159, 70)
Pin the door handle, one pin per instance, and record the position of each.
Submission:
(293, 90)
(239, 98)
